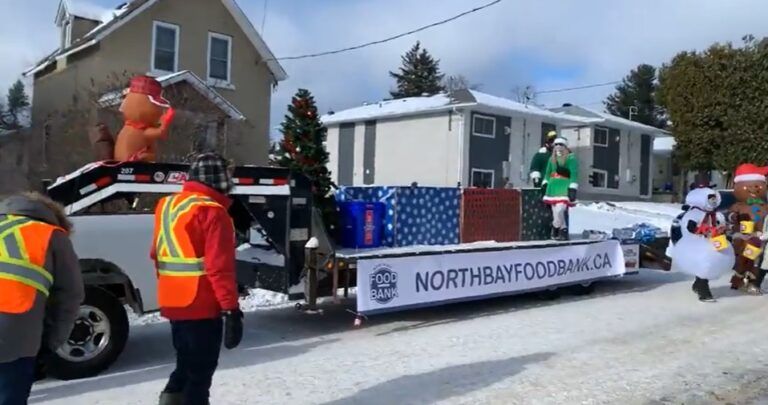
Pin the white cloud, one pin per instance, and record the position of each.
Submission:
(601, 40)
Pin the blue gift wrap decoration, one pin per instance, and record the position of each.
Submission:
(413, 215)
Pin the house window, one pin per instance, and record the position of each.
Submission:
(482, 178)
(219, 57)
(484, 126)
(598, 178)
(165, 47)
(601, 137)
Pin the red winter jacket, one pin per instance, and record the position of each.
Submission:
(215, 236)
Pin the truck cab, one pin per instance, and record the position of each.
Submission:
(112, 208)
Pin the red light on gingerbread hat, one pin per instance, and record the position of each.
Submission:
(750, 172)
(151, 87)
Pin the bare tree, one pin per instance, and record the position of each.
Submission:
(61, 140)
(524, 94)
(459, 82)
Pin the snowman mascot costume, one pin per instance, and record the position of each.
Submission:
(697, 244)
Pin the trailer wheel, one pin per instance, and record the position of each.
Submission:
(583, 289)
(548, 295)
(97, 339)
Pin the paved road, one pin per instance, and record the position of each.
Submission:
(638, 340)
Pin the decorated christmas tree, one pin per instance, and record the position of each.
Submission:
(302, 151)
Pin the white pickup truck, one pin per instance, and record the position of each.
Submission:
(112, 207)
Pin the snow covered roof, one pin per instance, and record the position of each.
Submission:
(111, 20)
(603, 117)
(509, 105)
(392, 108)
(115, 97)
(83, 9)
(442, 102)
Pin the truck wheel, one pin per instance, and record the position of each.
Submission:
(97, 339)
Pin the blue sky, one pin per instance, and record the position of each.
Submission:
(544, 43)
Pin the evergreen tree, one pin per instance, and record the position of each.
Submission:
(17, 103)
(638, 89)
(302, 150)
(716, 103)
(419, 74)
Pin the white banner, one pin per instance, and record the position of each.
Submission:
(386, 284)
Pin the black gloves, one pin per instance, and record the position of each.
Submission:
(233, 328)
(571, 194)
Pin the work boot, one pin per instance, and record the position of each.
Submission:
(171, 398)
(701, 288)
(553, 233)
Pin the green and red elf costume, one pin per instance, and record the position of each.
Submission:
(561, 180)
(539, 161)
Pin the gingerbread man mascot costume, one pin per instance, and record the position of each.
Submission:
(147, 118)
(746, 217)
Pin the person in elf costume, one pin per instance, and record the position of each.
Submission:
(561, 180)
(539, 161)
(698, 245)
(746, 218)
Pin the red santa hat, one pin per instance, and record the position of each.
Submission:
(750, 172)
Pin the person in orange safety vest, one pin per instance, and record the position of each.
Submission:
(194, 252)
(41, 289)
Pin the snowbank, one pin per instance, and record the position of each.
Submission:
(605, 216)
(257, 299)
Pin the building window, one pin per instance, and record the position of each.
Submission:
(165, 47)
(484, 126)
(482, 178)
(598, 178)
(601, 137)
(219, 58)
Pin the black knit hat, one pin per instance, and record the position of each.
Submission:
(212, 170)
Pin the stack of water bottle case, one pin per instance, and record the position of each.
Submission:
(375, 216)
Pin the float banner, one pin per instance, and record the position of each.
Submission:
(396, 283)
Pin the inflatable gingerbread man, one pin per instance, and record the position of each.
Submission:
(147, 119)
(746, 217)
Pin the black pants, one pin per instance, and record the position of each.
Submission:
(16, 380)
(197, 345)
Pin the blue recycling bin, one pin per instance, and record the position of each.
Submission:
(361, 224)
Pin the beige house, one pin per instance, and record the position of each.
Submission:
(216, 70)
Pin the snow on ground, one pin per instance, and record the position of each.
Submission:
(641, 339)
(605, 216)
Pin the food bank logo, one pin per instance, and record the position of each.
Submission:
(383, 284)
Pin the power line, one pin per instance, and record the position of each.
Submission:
(392, 38)
(264, 17)
(588, 86)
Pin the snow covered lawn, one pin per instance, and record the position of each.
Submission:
(640, 339)
(605, 216)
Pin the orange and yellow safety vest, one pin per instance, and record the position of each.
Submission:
(23, 251)
(179, 267)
